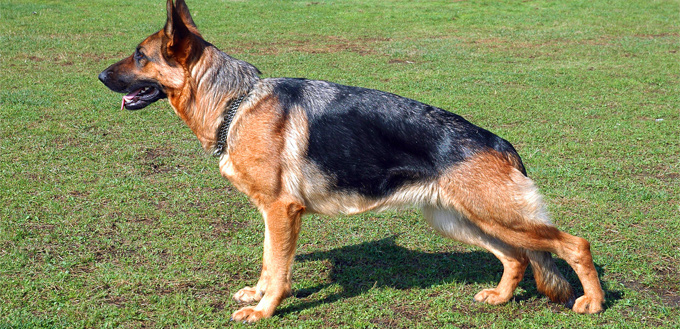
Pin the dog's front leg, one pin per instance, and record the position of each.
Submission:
(282, 226)
(248, 295)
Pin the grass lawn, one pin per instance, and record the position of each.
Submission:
(118, 219)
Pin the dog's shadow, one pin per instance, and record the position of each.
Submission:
(383, 263)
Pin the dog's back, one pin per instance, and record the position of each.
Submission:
(373, 142)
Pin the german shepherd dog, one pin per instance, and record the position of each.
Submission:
(297, 146)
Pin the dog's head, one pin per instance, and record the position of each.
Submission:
(157, 67)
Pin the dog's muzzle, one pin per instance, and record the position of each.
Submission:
(138, 94)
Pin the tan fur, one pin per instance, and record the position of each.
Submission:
(253, 163)
(494, 196)
(195, 102)
(455, 225)
(253, 159)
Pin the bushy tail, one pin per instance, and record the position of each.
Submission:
(549, 279)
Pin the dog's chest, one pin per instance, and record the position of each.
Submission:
(253, 158)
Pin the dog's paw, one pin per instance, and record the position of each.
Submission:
(249, 314)
(248, 295)
(491, 297)
(588, 305)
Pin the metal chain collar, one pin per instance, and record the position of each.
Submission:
(223, 130)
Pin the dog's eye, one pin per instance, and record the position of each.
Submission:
(139, 55)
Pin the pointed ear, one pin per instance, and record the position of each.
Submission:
(183, 42)
(179, 20)
(169, 30)
(183, 12)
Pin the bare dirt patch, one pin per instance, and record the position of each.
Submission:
(112, 252)
(225, 227)
(155, 161)
(329, 45)
(668, 294)
(118, 301)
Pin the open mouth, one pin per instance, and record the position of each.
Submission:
(141, 97)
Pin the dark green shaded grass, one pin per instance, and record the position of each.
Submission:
(118, 219)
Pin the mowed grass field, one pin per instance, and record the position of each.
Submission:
(111, 218)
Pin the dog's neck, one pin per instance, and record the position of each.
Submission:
(211, 84)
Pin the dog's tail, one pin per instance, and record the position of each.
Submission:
(548, 278)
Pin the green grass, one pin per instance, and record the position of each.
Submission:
(118, 219)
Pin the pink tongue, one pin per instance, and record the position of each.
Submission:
(128, 97)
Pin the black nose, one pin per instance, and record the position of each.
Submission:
(103, 76)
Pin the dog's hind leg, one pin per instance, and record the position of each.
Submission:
(497, 198)
(453, 224)
(282, 227)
